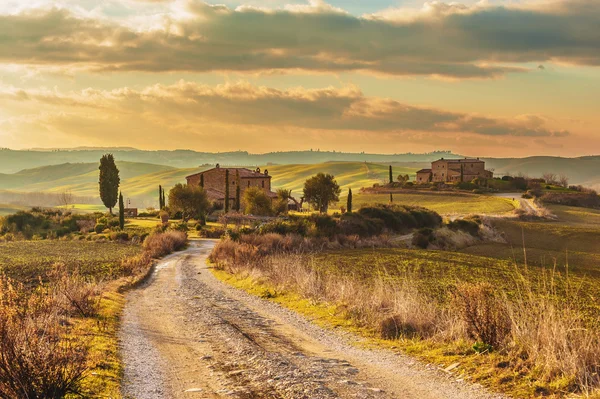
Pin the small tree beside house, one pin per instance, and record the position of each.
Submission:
(257, 202)
(191, 201)
(321, 190)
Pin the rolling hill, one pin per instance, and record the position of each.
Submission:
(139, 181)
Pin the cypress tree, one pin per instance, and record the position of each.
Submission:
(121, 211)
(391, 197)
(109, 181)
(160, 198)
(202, 180)
(238, 199)
(164, 199)
(349, 201)
(391, 175)
(226, 190)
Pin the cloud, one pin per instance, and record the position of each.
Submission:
(445, 40)
(190, 107)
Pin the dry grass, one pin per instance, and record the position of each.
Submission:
(161, 244)
(38, 357)
(538, 329)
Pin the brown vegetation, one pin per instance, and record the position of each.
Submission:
(538, 329)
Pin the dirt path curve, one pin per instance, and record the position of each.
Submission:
(187, 335)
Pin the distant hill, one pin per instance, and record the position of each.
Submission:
(139, 181)
(583, 170)
(12, 161)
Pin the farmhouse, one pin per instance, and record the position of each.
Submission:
(213, 181)
(454, 171)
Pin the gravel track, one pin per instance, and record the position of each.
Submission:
(186, 334)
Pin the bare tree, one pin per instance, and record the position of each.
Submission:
(550, 178)
(563, 180)
(65, 199)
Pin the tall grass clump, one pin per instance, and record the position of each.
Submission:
(161, 244)
(38, 358)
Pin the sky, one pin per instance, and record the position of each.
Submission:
(482, 78)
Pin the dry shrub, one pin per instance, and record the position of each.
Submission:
(37, 359)
(483, 312)
(157, 245)
(74, 293)
(551, 334)
(135, 264)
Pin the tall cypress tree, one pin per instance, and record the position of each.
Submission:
(202, 180)
(160, 198)
(164, 199)
(391, 197)
(226, 190)
(238, 199)
(349, 201)
(109, 181)
(121, 211)
(391, 176)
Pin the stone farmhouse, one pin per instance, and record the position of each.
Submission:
(213, 181)
(454, 171)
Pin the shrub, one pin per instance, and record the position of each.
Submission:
(484, 314)
(119, 236)
(38, 359)
(73, 293)
(160, 244)
(469, 225)
(99, 228)
(423, 237)
(357, 224)
(325, 225)
(467, 186)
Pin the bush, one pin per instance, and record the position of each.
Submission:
(357, 224)
(38, 360)
(325, 225)
(467, 186)
(588, 199)
(160, 244)
(423, 237)
(398, 218)
(99, 228)
(484, 314)
(469, 225)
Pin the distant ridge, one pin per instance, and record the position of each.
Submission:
(12, 161)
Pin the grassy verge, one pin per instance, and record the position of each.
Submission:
(81, 308)
(527, 332)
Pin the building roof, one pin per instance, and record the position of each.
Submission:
(464, 160)
(424, 171)
(244, 173)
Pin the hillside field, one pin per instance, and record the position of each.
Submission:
(443, 203)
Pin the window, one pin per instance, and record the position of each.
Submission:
(263, 184)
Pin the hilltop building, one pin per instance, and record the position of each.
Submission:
(213, 181)
(454, 171)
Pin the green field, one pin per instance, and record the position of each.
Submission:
(9, 209)
(576, 216)
(353, 175)
(443, 203)
(26, 261)
(139, 181)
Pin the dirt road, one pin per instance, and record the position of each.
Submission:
(187, 335)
